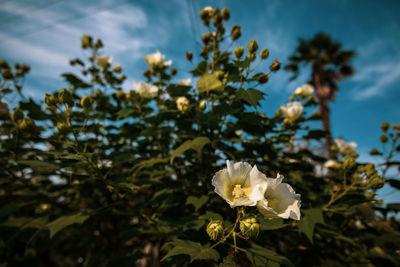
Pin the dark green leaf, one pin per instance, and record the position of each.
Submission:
(260, 256)
(209, 82)
(195, 250)
(197, 202)
(65, 221)
(251, 96)
(197, 144)
(307, 223)
(75, 81)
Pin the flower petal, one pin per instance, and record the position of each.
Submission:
(220, 181)
(239, 172)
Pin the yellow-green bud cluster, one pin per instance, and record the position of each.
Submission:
(249, 227)
(4, 111)
(215, 229)
(384, 138)
(236, 32)
(202, 105)
(26, 124)
(17, 115)
(86, 102)
(276, 65)
(349, 163)
(65, 97)
(238, 51)
(51, 100)
(384, 126)
(252, 46)
(86, 41)
(264, 53)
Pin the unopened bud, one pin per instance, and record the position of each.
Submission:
(174, 71)
(349, 163)
(374, 151)
(98, 44)
(62, 128)
(7, 74)
(86, 41)
(249, 227)
(27, 124)
(17, 115)
(376, 182)
(252, 56)
(86, 101)
(276, 65)
(215, 229)
(226, 13)
(217, 18)
(206, 37)
(238, 51)
(117, 68)
(252, 46)
(264, 53)
(384, 138)
(189, 56)
(3, 64)
(384, 126)
(263, 79)
(51, 100)
(65, 97)
(205, 15)
(236, 32)
(202, 105)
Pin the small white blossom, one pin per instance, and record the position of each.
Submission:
(104, 61)
(345, 148)
(182, 103)
(293, 110)
(330, 163)
(280, 200)
(305, 90)
(239, 132)
(157, 60)
(185, 82)
(240, 184)
(145, 90)
(209, 10)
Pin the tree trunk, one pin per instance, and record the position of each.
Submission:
(323, 93)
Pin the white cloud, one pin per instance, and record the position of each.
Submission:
(378, 79)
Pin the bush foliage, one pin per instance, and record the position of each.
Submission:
(96, 176)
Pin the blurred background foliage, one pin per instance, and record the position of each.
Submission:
(95, 176)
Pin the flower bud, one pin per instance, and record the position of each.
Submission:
(263, 79)
(174, 71)
(202, 105)
(374, 152)
(384, 138)
(220, 74)
(384, 126)
(7, 74)
(217, 18)
(276, 65)
(226, 13)
(205, 15)
(236, 32)
(86, 102)
(3, 64)
(26, 124)
(98, 44)
(86, 41)
(117, 68)
(238, 51)
(51, 100)
(17, 115)
(215, 229)
(264, 53)
(3, 111)
(65, 97)
(62, 128)
(252, 46)
(252, 56)
(376, 182)
(189, 56)
(206, 37)
(249, 227)
(349, 163)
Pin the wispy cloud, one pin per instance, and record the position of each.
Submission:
(377, 79)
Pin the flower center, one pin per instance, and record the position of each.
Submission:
(238, 192)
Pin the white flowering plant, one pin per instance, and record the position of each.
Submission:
(179, 172)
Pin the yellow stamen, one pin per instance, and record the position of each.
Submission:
(237, 192)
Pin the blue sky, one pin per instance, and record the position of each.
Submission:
(46, 34)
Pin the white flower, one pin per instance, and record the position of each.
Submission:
(330, 164)
(209, 10)
(145, 90)
(182, 103)
(345, 148)
(240, 184)
(293, 110)
(239, 132)
(185, 82)
(305, 90)
(157, 60)
(280, 200)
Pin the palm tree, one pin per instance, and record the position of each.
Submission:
(330, 64)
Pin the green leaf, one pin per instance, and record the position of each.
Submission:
(211, 215)
(251, 96)
(26, 222)
(40, 166)
(315, 134)
(260, 256)
(394, 183)
(125, 112)
(176, 90)
(195, 250)
(209, 82)
(65, 221)
(75, 81)
(197, 144)
(393, 206)
(200, 69)
(273, 224)
(307, 223)
(197, 202)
